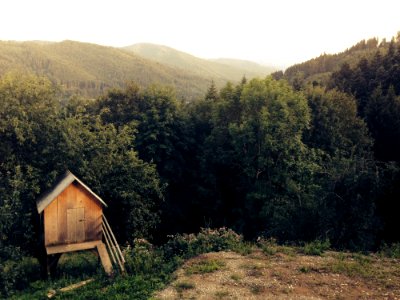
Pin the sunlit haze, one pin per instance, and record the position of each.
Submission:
(273, 32)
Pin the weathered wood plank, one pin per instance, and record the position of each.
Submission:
(50, 224)
(76, 285)
(93, 212)
(105, 258)
(71, 225)
(72, 247)
(80, 224)
(62, 219)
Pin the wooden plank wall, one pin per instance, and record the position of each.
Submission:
(75, 216)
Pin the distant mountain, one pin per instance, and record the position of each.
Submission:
(90, 69)
(249, 66)
(219, 70)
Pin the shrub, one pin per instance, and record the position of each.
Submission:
(207, 240)
(316, 247)
(184, 285)
(392, 251)
(142, 258)
(17, 274)
(268, 246)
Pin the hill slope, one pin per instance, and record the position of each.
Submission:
(320, 68)
(249, 66)
(219, 69)
(89, 69)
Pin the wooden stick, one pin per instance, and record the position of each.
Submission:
(113, 237)
(108, 245)
(52, 293)
(76, 285)
(113, 248)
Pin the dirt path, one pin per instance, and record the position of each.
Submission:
(228, 275)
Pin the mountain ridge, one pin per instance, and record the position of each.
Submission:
(217, 68)
(89, 69)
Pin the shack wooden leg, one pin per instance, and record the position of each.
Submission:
(52, 261)
(105, 258)
(43, 266)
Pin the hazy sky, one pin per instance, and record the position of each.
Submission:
(279, 32)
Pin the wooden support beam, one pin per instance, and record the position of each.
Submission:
(105, 258)
(72, 247)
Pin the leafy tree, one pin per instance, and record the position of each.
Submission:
(347, 177)
(39, 140)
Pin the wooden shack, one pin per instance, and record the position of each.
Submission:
(73, 220)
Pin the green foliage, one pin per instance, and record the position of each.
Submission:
(392, 251)
(316, 247)
(358, 266)
(204, 266)
(143, 259)
(184, 285)
(39, 140)
(17, 274)
(207, 240)
(318, 70)
(268, 246)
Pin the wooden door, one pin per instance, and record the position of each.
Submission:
(76, 224)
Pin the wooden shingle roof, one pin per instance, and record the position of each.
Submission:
(59, 186)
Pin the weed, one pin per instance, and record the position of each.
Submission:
(392, 251)
(243, 248)
(204, 266)
(253, 270)
(289, 251)
(304, 269)
(316, 247)
(183, 286)
(221, 294)
(236, 277)
(356, 265)
(257, 289)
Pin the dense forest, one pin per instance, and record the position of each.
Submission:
(289, 159)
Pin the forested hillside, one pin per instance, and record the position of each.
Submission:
(218, 69)
(288, 160)
(89, 70)
(318, 70)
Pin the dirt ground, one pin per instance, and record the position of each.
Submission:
(285, 275)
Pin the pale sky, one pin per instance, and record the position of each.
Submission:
(279, 32)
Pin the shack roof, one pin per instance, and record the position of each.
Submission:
(59, 186)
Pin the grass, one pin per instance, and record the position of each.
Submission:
(391, 251)
(257, 289)
(356, 265)
(304, 269)
(253, 270)
(236, 277)
(316, 247)
(183, 286)
(222, 295)
(204, 266)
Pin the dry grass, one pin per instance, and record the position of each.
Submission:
(283, 275)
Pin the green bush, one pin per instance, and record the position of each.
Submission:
(392, 251)
(207, 240)
(17, 274)
(268, 246)
(316, 247)
(204, 266)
